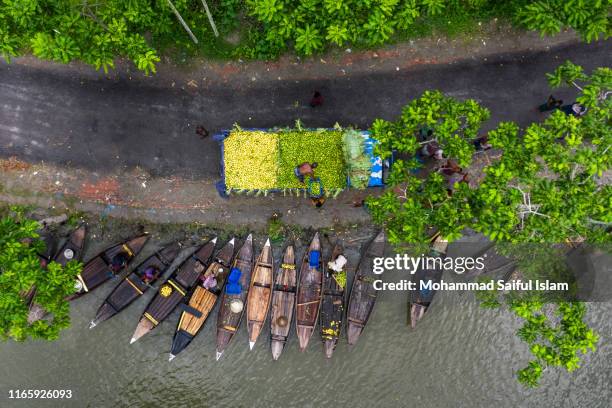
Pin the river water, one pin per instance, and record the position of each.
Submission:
(458, 356)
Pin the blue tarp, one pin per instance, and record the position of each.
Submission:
(315, 256)
(234, 275)
(233, 289)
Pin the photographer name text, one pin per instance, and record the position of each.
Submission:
(499, 285)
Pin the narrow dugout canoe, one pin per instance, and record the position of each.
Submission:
(419, 300)
(136, 283)
(363, 295)
(202, 300)
(234, 296)
(283, 300)
(332, 303)
(71, 250)
(309, 292)
(99, 269)
(260, 293)
(174, 290)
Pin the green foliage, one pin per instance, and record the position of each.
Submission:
(20, 270)
(100, 32)
(546, 186)
(276, 230)
(555, 345)
(412, 205)
(590, 18)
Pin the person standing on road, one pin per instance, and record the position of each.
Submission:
(202, 132)
(551, 104)
(574, 109)
(317, 99)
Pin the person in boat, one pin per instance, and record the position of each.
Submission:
(305, 169)
(337, 265)
(149, 274)
(209, 280)
(119, 262)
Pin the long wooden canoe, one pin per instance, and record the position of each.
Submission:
(202, 300)
(71, 250)
(309, 292)
(174, 289)
(419, 300)
(229, 320)
(260, 293)
(332, 304)
(134, 285)
(363, 295)
(98, 270)
(283, 300)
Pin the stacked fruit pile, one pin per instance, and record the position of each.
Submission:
(262, 161)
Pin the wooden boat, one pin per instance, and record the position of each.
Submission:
(234, 296)
(363, 295)
(420, 299)
(283, 300)
(260, 293)
(99, 269)
(202, 300)
(71, 250)
(309, 292)
(332, 303)
(174, 290)
(136, 283)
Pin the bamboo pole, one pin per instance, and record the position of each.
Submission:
(210, 18)
(183, 23)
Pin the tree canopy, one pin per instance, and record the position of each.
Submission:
(547, 185)
(20, 272)
(100, 32)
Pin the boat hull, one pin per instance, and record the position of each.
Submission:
(202, 301)
(260, 293)
(97, 271)
(332, 307)
(134, 286)
(309, 295)
(174, 290)
(363, 295)
(283, 302)
(228, 321)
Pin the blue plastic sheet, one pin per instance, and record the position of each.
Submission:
(234, 275)
(315, 256)
(233, 289)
